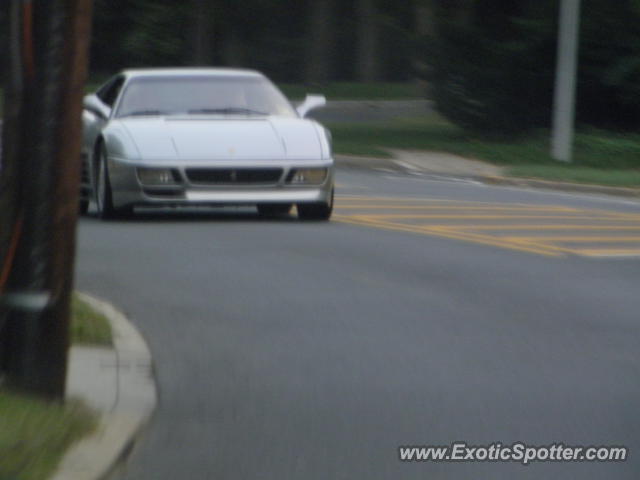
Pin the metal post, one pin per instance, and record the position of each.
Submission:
(564, 95)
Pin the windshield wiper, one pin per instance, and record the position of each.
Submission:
(231, 110)
(140, 113)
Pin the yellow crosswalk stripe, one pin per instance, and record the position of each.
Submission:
(548, 227)
(608, 252)
(452, 207)
(571, 239)
(464, 220)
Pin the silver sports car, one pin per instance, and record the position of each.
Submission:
(203, 137)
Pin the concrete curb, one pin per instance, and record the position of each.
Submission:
(354, 161)
(131, 383)
(564, 186)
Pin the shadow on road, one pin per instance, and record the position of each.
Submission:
(191, 214)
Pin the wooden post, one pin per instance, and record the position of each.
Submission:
(54, 37)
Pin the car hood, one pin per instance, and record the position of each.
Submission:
(194, 139)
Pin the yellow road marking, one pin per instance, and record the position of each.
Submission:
(486, 240)
(545, 227)
(456, 207)
(423, 199)
(576, 239)
(577, 214)
(424, 210)
(608, 252)
(466, 217)
(529, 243)
(408, 199)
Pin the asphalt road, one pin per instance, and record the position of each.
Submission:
(288, 350)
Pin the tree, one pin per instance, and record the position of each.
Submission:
(492, 63)
(45, 99)
(609, 69)
(202, 32)
(366, 57)
(318, 68)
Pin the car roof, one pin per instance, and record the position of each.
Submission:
(190, 72)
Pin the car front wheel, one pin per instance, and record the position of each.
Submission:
(103, 194)
(316, 211)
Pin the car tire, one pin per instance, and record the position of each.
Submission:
(103, 193)
(316, 211)
(274, 209)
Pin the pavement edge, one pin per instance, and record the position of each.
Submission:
(95, 456)
(564, 186)
(355, 161)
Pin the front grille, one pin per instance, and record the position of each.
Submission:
(233, 176)
(163, 192)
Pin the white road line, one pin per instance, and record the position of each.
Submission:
(406, 165)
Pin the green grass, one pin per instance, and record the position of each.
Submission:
(35, 434)
(87, 325)
(616, 178)
(602, 157)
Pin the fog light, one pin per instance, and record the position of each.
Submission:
(308, 176)
(157, 176)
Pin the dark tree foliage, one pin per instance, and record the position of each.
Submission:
(139, 33)
(275, 36)
(492, 63)
(609, 82)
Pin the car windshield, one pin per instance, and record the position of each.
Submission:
(224, 95)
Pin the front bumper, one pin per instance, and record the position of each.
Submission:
(127, 189)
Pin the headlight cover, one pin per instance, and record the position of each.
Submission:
(307, 176)
(158, 176)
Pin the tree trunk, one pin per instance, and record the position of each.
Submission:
(320, 42)
(43, 116)
(202, 32)
(10, 181)
(424, 28)
(233, 51)
(367, 41)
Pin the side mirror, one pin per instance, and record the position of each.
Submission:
(310, 103)
(96, 106)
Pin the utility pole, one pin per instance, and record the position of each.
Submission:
(565, 86)
(48, 65)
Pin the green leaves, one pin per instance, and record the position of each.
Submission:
(495, 75)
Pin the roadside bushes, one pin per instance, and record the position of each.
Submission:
(492, 63)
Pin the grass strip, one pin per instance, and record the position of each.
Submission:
(35, 434)
(87, 325)
(596, 176)
(600, 156)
